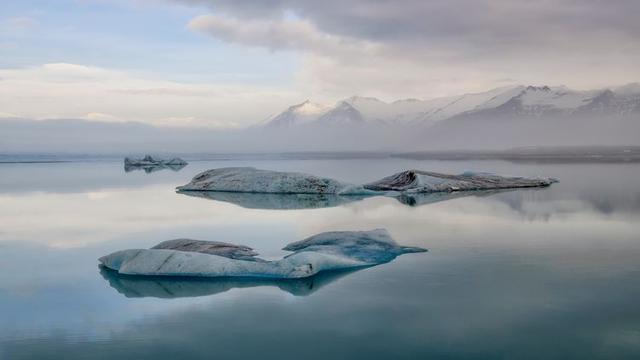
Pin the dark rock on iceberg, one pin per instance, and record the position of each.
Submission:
(426, 182)
(231, 251)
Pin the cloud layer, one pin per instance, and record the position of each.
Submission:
(430, 48)
(63, 90)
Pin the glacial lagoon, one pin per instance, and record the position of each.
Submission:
(527, 273)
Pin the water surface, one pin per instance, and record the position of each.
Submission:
(533, 273)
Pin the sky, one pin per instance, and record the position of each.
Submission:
(230, 63)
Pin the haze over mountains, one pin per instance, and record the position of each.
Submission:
(496, 119)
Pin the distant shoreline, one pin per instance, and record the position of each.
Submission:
(596, 154)
(568, 154)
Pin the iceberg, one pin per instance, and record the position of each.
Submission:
(252, 180)
(329, 251)
(417, 181)
(150, 164)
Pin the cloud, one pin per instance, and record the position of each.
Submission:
(95, 116)
(383, 48)
(498, 22)
(412, 44)
(277, 35)
(62, 90)
(18, 23)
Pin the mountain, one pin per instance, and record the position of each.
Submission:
(537, 101)
(299, 114)
(343, 114)
(544, 116)
(501, 118)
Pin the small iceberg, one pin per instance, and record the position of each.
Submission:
(329, 251)
(150, 164)
(251, 180)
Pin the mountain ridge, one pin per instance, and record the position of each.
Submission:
(528, 100)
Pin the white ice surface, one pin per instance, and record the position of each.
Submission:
(322, 252)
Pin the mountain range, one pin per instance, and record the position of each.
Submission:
(501, 118)
(516, 101)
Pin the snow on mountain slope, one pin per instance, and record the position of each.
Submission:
(505, 101)
(442, 108)
(299, 114)
(343, 114)
(370, 108)
(538, 100)
(399, 112)
(609, 103)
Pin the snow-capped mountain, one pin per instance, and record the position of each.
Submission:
(296, 115)
(528, 101)
(515, 116)
(342, 114)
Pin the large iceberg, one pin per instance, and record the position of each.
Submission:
(150, 164)
(251, 180)
(338, 250)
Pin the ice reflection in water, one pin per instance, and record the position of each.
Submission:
(317, 201)
(549, 273)
(177, 287)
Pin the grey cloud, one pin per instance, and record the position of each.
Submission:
(484, 22)
(398, 48)
(274, 35)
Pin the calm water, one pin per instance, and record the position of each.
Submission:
(547, 273)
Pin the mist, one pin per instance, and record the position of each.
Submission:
(477, 132)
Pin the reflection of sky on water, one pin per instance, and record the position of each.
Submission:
(529, 273)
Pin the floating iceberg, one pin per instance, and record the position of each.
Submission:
(251, 180)
(416, 181)
(150, 164)
(328, 251)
